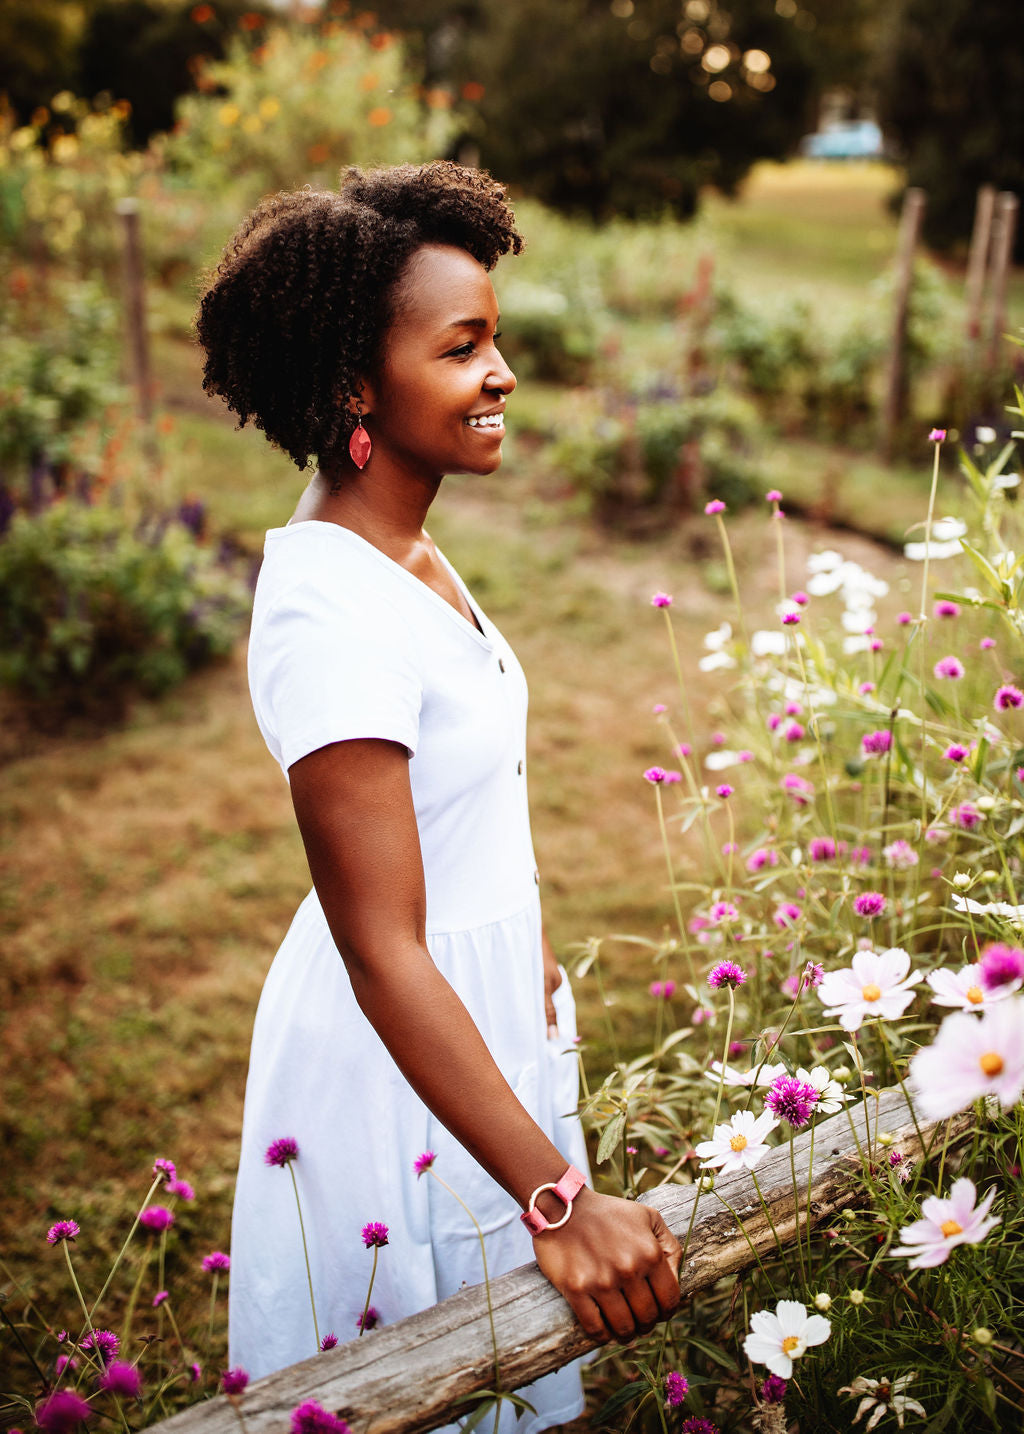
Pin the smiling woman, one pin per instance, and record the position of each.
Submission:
(415, 1005)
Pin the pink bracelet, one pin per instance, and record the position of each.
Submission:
(567, 1188)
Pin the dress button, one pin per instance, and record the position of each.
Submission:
(501, 664)
(519, 769)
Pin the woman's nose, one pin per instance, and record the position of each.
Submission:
(501, 376)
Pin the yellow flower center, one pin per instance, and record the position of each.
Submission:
(738, 1142)
(975, 995)
(871, 992)
(950, 1227)
(789, 1344)
(991, 1063)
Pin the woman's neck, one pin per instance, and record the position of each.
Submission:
(388, 515)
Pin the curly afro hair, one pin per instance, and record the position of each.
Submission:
(299, 306)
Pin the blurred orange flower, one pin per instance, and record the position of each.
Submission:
(317, 60)
(473, 90)
(381, 41)
(251, 20)
(379, 116)
(369, 82)
(202, 14)
(439, 99)
(318, 153)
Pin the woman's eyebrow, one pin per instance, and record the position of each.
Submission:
(472, 323)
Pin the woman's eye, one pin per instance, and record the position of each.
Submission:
(463, 351)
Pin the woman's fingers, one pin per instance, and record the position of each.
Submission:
(664, 1278)
(618, 1315)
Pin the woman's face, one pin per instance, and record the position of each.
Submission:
(437, 404)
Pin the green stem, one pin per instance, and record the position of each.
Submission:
(81, 1301)
(796, 1213)
(487, 1282)
(369, 1292)
(213, 1306)
(121, 1253)
(305, 1254)
(725, 1055)
(668, 863)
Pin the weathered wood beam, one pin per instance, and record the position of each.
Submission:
(411, 1376)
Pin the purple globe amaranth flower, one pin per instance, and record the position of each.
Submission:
(822, 848)
(122, 1379)
(233, 1381)
(65, 1361)
(105, 1342)
(328, 1342)
(166, 1169)
(799, 788)
(181, 1188)
(374, 1233)
(156, 1218)
(773, 1390)
(787, 913)
(423, 1162)
(676, 1387)
(773, 495)
(948, 668)
(1001, 965)
(724, 791)
(937, 435)
(161, 1297)
(698, 1425)
(870, 903)
(814, 974)
(654, 775)
(661, 600)
(945, 608)
(715, 506)
(726, 973)
(876, 743)
(195, 1372)
(791, 1100)
(987, 643)
(724, 911)
(790, 619)
(955, 752)
(280, 1152)
(1008, 696)
(794, 732)
(763, 856)
(62, 1412)
(216, 1262)
(966, 815)
(368, 1319)
(313, 1418)
(63, 1230)
(663, 989)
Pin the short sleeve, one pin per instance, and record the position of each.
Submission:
(324, 667)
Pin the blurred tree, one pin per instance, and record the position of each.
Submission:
(951, 94)
(630, 106)
(37, 51)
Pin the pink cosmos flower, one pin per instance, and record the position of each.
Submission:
(423, 1162)
(950, 668)
(946, 1224)
(280, 1152)
(972, 1056)
(715, 506)
(945, 608)
(870, 903)
(63, 1230)
(1008, 696)
(875, 984)
(966, 989)
(900, 855)
(661, 600)
(122, 1380)
(876, 743)
(676, 1386)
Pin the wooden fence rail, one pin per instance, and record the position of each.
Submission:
(411, 1376)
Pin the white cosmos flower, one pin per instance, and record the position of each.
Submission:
(1006, 909)
(718, 761)
(765, 643)
(965, 989)
(757, 1076)
(739, 1144)
(824, 562)
(876, 984)
(972, 1057)
(946, 1224)
(831, 1096)
(716, 642)
(777, 1339)
(881, 1395)
(945, 541)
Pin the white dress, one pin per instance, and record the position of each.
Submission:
(347, 644)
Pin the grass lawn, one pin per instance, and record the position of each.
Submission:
(147, 873)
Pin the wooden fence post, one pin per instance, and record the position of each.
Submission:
(414, 1375)
(896, 381)
(977, 260)
(1005, 231)
(135, 316)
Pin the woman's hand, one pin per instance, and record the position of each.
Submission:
(617, 1264)
(552, 981)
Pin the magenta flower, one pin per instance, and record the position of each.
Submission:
(870, 903)
(181, 1188)
(1008, 696)
(1001, 966)
(161, 1297)
(718, 739)
(726, 973)
(313, 1418)
(696, 1425)
(369, 1320)
(791, 1100)
(661, 600)
(786, 914)
(233, 1381)
(65, 1361)
(773, 1390)
(814, 974)
(280, 1152)
(794, 732)
(659, 708)
(799, 788)
(62, 1412)
(900, 855)
(937, 435)
(684, 749)
(966, 815)
(955, 752)
(865, 688)
(822, 848)
(876, 743)
(216, 1262)
(423, 1162)
(715, 506)
(654, 775)
(672, 777)
(156, 1217)
(790, 619)
(375, 1234)
(724, 791)
(774, 721)
(63, 1230)
(987, 643)
(945, 608)
(723, 912)
(664, 990)
(744, 755)
(904, 619)
(860, 855)
(165, 1169)
(950, 668)
(676, 1386)
(763, 856)
(195, 1372)
(773, 496)
(800, 598)
(957, 1220)
(122, 1380)
(328, 1342)
(104, 1341)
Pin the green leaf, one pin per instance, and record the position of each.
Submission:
(713, 1352)
(987, 1395)
(610, 1136)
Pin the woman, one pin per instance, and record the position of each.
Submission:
(360, 327)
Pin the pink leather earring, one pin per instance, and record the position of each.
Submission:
(359, 445)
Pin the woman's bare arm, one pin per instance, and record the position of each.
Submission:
(615, 1261)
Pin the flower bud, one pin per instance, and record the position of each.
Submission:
(886, 1138)
(823, 1302)
(962, 880)
(985, 804)
(856, 1297)
(989, 876)
(982, 1335)
(842, 1074)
